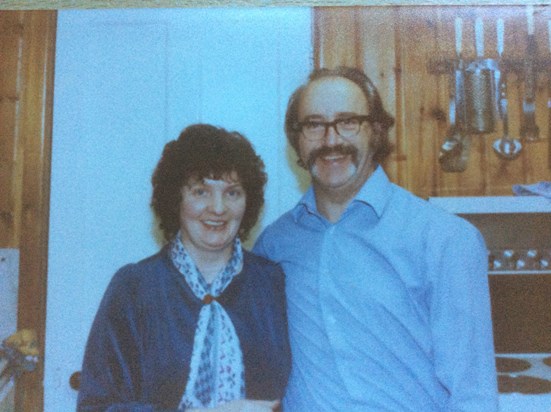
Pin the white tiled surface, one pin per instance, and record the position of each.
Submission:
(9, 280)
(516, 402)
(493, 204)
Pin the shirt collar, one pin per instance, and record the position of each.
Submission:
(306, 204)
(375, 192)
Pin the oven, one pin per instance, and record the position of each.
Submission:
(517, 231)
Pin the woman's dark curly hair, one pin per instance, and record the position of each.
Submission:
(383, 121)
(204, 151)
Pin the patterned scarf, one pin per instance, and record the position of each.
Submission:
(216, 370)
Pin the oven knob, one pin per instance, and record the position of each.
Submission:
(520, 264)
(508, 259)
(532, 253)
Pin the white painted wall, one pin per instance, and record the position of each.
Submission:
(9, 284)
(126, 82)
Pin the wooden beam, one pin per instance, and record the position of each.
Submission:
(35, 125)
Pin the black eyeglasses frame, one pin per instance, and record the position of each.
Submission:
(299, 126)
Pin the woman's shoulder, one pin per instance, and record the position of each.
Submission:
(262, 278)
(252, 258)
(261, 266)
(147, 269)
(140, 280)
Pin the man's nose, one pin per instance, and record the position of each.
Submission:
(331, 137)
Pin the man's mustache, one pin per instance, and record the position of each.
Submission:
(340, 149)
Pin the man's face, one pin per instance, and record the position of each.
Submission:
(335, 162)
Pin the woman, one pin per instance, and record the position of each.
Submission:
(202, 323)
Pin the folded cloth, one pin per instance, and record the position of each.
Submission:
(536, 189)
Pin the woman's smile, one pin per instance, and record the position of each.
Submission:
(210, 213)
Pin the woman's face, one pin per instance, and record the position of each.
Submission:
(210, 214)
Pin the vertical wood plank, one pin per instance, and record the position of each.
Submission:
(35, 125)
(376, 28)
(336, 41)
(10, 162)
(420, 90)
(399, 163)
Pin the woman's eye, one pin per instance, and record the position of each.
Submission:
(235, 193)
(198, 191)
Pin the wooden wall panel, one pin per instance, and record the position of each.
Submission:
(335, 37)
(10, 162)
(27, 40)
(396, 45)
(376, 26)
(420, 96)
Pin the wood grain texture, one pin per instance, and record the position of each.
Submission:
(10, 155)
(408, 38)
(36, 130)
(27, 50)
(374, 29)
(337, 40)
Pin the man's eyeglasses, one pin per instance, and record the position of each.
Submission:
(345, 127)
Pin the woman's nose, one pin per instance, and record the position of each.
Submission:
(217, 204)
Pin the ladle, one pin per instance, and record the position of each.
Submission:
(505, 147)
(454, 152)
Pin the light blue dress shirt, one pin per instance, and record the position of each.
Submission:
(389, 307)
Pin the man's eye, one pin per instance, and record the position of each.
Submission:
(311, 125)
(350, 122)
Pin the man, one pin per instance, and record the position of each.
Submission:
(388, 299)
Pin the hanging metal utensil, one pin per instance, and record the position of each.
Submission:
(454, 152)
(450, 157)
(529, 130)
(480, 88)
(505, 147)
(459, 78)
